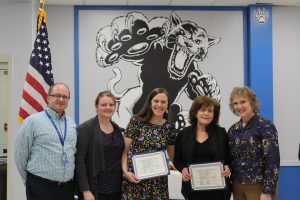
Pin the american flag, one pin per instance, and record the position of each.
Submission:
(39, 76)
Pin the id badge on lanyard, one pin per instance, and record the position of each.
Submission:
(64, 155)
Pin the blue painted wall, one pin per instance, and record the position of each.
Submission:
(260, 57)
(289, 183)
(260, 79)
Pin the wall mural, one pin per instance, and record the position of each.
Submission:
(167, 52)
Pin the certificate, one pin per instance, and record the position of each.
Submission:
(207, 176)
(150, 165)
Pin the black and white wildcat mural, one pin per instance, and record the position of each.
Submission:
(167, 52)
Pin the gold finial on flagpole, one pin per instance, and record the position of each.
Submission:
(42, 3)
(41, 14)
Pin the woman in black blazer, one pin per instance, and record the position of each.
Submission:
(202, 142)
(100, 145)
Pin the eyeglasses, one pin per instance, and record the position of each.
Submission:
(58, 96)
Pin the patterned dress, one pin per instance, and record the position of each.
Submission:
(147, 138)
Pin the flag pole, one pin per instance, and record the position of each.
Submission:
(39, 75)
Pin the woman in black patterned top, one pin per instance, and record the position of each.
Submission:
(254, 150)
(100, 145)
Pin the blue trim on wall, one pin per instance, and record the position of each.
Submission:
(246, 46)
(261, 59)
(213, 8)
(188, 8)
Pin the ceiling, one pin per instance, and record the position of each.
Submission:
(164, 2)
(174, 2)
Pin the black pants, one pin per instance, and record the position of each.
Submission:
(38, 188)
(114, 196)
(206, 195)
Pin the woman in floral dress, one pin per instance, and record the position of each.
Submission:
(147, 132)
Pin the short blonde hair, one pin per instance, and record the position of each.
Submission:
(247, 93)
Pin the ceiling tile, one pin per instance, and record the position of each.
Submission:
(105, 2)
(168, 2)
(280, 2)
(64, 2)
(149, 2)
(192, 3)
(234, 2)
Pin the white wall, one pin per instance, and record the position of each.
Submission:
(17, 33)
(15, 40)
(286, 48)
(61, 39)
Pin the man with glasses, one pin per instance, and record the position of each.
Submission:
(45, 147)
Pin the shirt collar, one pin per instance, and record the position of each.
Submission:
(250, 123)
(54, 114)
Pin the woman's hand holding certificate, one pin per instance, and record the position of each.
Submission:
(131, 177)
(226, 172)
(185, 175)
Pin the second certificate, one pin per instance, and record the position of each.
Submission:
(207, 176)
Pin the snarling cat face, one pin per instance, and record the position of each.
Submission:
(189, 43)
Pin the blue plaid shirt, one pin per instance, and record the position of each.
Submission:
(38, 149)
(254, 152)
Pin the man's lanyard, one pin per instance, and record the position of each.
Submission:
(62, 140)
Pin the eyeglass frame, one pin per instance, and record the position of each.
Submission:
(58, 96)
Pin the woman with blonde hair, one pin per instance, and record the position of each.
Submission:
(100, 145)
(254, 149)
